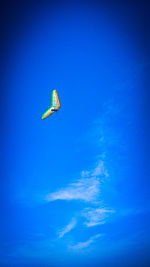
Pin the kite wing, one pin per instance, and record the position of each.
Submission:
(55, 100)
(55, 105)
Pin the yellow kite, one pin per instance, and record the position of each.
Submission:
(55, 105)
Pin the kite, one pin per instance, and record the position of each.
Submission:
(55, 105)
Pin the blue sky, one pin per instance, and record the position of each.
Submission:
(75, 187)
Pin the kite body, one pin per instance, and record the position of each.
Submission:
(55, 105)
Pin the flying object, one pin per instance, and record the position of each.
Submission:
(55, 105)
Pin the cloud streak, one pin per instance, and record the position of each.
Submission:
(67, 228)
(96, 216)
(85, 189)
(82, 245)
(98, 171)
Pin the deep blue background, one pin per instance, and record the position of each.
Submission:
(97, 56)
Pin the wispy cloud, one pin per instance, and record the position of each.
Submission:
(85, 244)
(86, 189)
(99, 170)
(96, 216)
(67, 228)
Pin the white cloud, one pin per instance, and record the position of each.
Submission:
(67, 228)
(85, 244)
(96, 216)
(86, 189)
(100, 170)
